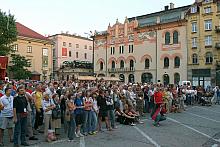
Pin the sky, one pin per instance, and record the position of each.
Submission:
(49, 17)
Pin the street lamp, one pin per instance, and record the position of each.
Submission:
(92, 36)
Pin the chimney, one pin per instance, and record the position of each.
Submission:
(166, 8)
(171, 5)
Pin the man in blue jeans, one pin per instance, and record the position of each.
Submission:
(20, 116)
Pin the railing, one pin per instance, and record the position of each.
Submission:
(118, 70)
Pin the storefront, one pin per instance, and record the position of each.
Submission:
(201, 77)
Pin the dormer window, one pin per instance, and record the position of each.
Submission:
(194, 9)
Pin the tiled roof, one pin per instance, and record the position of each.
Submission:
(27, 32)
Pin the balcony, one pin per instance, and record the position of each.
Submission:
(119, 70)
(217, 45)
(217, 29)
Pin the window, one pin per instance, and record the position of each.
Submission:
(77, 45)
(207, 10)
(70, 44)
(176, 78)
(175, 37)
(64, 43)
(77, 55)
(122, 64)
(166, 62)
(29, 49)
(177, 62)
(194, 42)
(131, 64)
(194, 9)
(207, 1)
(112, 50)
(15, 47)
(45, 52)
(195, 59)
(208, 40)
(121, 49)
(208, 25)
(131, 48)
(113, 64)
(194, 27)
(209, 58)
(101, 66)
(54, 52)
(167, 38)
(90, 47)
(85, 56)
(85, 47)
(70, 53)
(147, 63)
(218, 7)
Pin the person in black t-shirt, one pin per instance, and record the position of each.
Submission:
(20, 116)
(103, 110)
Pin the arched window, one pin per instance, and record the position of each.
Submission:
(209, 58)
(131, 64)
(113, 64)
(175, 37)
(122, 64)
(147, 63)
(122, 77)
(101, 65)
(167, 38)
(177, 62)
(166, 62)
(146, 78)
(131, 78)
(176, 78)
(166, 79)
(195, 59)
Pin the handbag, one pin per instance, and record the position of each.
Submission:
(56, 112)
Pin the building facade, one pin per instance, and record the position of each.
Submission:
(37, 48)
(148, 48)
(69, 50)
(203, 35)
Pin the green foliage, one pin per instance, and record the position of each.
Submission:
(19, 67)
(8, 33)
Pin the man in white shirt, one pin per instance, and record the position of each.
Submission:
(6, 118)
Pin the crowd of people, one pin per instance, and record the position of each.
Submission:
(30, 108)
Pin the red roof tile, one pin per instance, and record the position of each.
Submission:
(27, 32)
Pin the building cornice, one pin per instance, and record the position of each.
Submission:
(35, 40)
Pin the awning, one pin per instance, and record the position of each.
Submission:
(109, 78)
(35, 73)
(86, 78)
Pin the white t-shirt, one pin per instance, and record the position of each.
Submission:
(46, 104)
(7, 102)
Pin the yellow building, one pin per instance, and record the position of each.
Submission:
(203, 36)
(38, 49)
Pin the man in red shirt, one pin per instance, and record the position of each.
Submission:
(158, 101)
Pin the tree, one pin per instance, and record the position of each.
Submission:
(8, 33)
(19, 67)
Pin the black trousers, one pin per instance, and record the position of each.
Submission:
(38, 119)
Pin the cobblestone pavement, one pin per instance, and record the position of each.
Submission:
(197, 127)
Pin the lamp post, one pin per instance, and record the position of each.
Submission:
(92, 36)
